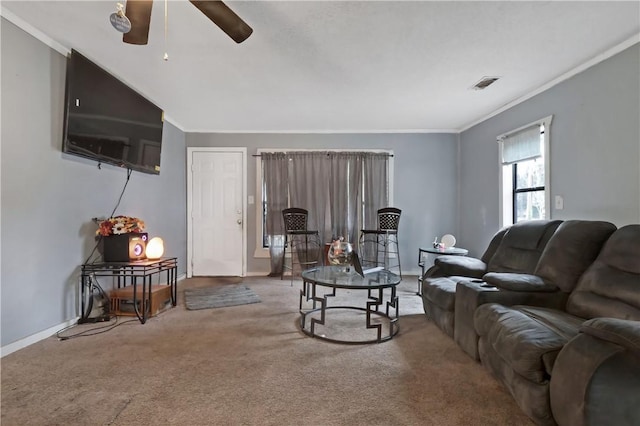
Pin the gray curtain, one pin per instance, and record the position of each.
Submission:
(329, 186)
(308, 184)
(275, 169)
(375, 187)
(375, 197)
(344, 195)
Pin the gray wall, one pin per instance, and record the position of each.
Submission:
(425, 180)
(595, 150)
(49, 198)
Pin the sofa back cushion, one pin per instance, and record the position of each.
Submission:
(493, 245)
(522, 245)
(610, 287)
(571, 250)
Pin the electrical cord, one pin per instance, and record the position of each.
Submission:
(92, 331)
(122, 193)
(95, 247)
(95, 330)
(93, 284)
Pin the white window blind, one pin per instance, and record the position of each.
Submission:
(522, 145)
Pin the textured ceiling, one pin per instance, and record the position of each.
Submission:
(354, 66)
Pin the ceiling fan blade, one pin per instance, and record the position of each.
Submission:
(225, 18)
(139, 13)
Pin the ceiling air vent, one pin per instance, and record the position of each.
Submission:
(484, 83)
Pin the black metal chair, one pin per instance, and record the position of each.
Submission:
(379, 246)
(301, 245)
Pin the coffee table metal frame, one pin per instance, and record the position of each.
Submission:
(333, 278)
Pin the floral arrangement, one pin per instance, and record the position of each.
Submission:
(120, 225)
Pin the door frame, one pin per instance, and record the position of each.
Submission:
(190, 153)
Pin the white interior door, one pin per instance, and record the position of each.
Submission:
(217, 235)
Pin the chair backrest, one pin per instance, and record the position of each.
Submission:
(388, 219)
(610, 287)
(295, 219)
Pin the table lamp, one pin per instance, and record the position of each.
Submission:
(155, 248)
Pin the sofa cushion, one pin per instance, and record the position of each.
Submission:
(571, 250)
(522, 245)
(527, 338)
(461, 266)
(493, 245)
(441, 291)
(610, 287)
(518, 282)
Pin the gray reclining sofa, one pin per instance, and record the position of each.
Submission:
(562, 333)
(514, 249)
(572, 248)
(579, 350)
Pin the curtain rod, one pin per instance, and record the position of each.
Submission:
(337, 152)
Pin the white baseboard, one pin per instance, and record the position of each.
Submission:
(257, 274)
(44, 334)
(35, 338)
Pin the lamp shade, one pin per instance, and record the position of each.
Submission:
(448, 241)
(155, 248)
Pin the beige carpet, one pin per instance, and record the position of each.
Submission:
(251, 365)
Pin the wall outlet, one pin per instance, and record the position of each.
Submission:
(559, 202)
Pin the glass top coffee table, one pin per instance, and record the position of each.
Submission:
(344, 321)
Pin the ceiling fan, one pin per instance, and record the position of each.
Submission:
(139, 14)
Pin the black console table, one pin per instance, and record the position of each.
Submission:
(133, 274)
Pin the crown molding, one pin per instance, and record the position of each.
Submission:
(577, 70)
(330, 132)
(33, 31)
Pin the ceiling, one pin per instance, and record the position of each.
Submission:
(348, 66)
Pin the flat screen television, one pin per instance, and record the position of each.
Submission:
(107, 121)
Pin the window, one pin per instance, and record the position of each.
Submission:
(528, 190)
(358, 209)
(524, 173)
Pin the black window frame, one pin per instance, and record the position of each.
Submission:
(516, 191)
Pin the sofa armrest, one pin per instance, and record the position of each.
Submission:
(519, 282)
(449, 265)
(625, 333)
(596, 376)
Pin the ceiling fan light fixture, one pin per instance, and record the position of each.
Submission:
(484, 83)
(119, 20)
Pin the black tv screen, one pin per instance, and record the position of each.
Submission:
(107, 121)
